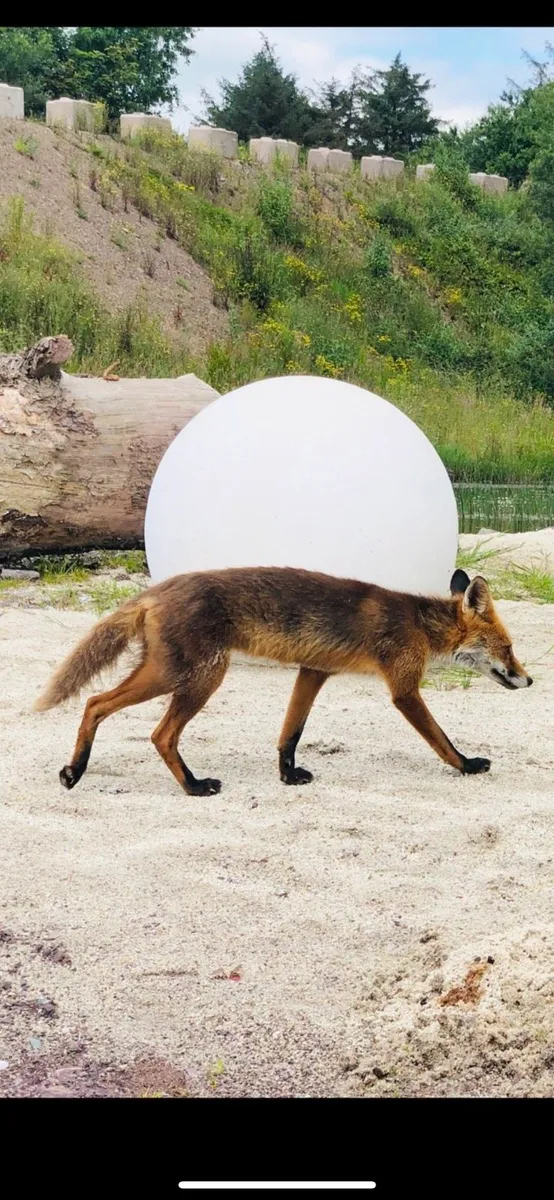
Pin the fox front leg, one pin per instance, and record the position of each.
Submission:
(416, 712)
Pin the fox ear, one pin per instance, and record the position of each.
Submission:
(459, 583)
(478, 598)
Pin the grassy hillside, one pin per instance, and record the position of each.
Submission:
(433, 295)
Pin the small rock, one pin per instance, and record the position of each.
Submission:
(12, 573)
(490, 959)
(92, 559)
(4, 1064)
(46, 1007)
(282, 892)
(35, 1043)
(120, 573)
(379, 1073)
(254, 804)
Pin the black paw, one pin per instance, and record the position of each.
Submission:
(204, 787)
(296, 775)
(69, 777)
(475, 766)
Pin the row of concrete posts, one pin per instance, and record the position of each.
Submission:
(82, 114)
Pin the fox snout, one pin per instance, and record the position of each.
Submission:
(510, 678)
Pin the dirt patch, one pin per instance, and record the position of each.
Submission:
(470, 991)
(123, 253)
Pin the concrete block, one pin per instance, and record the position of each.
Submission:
(393, 168)
(496, 185)
(371, 166)
(425, 170)
(222, 141)
(11, 102)
(132, 123)
(478, 178)
(339, 160)
(73, 114)
(288, 150)
(379, 166)
(318, 160)
(263, 149)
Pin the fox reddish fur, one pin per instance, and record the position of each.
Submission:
(188, 626)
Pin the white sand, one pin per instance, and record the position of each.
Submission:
(348, 907)
(520, 549)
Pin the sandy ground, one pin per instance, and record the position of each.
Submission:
(274, 941)
(535, 548)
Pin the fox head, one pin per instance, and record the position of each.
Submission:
(486, 644)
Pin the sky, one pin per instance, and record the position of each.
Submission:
(468, 66)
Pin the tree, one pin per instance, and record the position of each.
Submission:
(32, 58)
(125, 68)
(394, 115)
(264, 102)
(503, 142)
(334, 114)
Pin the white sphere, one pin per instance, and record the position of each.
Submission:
(307, 472)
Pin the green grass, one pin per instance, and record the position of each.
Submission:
(436, 297)
(504, 507)
(101, 596)
(107, 595)
(43, 291)
(27, 146)
(524, 583)
(509, 581)
(363, 283)
(120, 238)
(476, 558)
(444, 679)
(133, 561)
(7, 584)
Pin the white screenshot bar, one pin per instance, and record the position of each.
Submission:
(217, 1186)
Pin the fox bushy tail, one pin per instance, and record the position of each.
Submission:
(100, 648)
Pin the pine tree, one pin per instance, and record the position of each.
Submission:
(264, 102)
(394, 115)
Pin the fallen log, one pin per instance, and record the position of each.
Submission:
(78, 454)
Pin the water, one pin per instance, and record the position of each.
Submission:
(508, 508)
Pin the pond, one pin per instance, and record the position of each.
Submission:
(508, 508)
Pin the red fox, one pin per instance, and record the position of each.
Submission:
(188, 626)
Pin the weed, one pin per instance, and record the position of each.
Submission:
(27, 146)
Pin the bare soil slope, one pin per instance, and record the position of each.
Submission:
(56, 186)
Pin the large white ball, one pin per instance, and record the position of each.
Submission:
(304, 472)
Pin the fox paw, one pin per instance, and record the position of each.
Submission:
(296, 775)
(204, 787)
(475, 766)
(68, 777)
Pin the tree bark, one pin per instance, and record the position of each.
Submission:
(78, 454)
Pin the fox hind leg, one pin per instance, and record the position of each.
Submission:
(143, 684)
(308, 684)
(184, 706)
